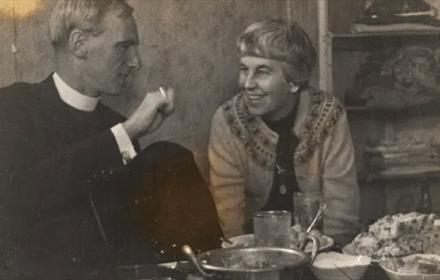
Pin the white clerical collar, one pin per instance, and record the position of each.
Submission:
(74, 98)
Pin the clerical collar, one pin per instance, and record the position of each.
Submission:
(74, 98)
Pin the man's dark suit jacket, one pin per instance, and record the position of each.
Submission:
(65, 195)
(70, 208)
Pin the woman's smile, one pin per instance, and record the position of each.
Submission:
(255, 98)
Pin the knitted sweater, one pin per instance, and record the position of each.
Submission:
(242, 157)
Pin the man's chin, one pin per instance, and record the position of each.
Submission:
(119, 93)
(116, 91)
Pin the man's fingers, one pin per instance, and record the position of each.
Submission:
(169, 105)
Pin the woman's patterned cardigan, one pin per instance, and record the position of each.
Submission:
(242, 154)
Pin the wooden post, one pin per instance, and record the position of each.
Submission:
(324, 48)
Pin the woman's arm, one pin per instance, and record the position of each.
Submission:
(227, 184)
(340, 186)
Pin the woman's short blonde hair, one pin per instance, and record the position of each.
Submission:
(83, 14)
(282, 41)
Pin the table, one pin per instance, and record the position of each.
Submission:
(374, 272)
(183, 270)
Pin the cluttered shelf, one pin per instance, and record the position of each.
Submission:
(401, 33)
(386, 23)
(365, 41)
(384, 62)
(401, 156)
(398, 144)
(426, 109)
(428, 172)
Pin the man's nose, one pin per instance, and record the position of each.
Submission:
(135, 60)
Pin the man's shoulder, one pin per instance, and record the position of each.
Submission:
(18, 88)
(23, 89)
(19, 92)
(21, 97)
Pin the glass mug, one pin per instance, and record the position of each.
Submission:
(272, 228)
(305, 207)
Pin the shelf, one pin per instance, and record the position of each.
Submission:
(406, 173)
(429, 109)
(386, 34)
(379, 40)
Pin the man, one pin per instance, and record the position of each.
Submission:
(68, 163)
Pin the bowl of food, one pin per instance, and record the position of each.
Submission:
(297, 235)
(250, 263)
(412, 267)
(398, 235)
(337, 266)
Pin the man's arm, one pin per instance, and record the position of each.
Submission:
(151, 112)
(68, 167)
(71, 166)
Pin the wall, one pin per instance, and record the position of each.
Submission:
(189, 45)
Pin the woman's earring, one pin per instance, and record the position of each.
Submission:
(293, 88)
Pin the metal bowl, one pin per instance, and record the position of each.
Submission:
(265, 263)
(252, 259)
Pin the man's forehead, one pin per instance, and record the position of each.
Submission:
(122, 28)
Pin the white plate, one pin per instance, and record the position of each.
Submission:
(248, 240)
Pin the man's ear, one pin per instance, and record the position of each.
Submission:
(78, 43)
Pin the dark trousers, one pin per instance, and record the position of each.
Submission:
(177, 207)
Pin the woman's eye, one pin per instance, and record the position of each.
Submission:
(124, 47)
(263, 72)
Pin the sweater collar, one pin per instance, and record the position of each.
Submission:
(317, 114)
(72, 97)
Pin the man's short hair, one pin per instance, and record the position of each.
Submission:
(283, 41)
(83, 14)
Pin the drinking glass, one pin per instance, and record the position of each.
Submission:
(272, 228)
(305, 207)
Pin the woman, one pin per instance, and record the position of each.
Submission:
(280, 136)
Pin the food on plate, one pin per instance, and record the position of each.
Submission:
(414, 264)
(297, 228)
(316, 233)
(246, 262)
(366, 244)
(298, 235)
(400, 235)
(431, 242)
(398, 225)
